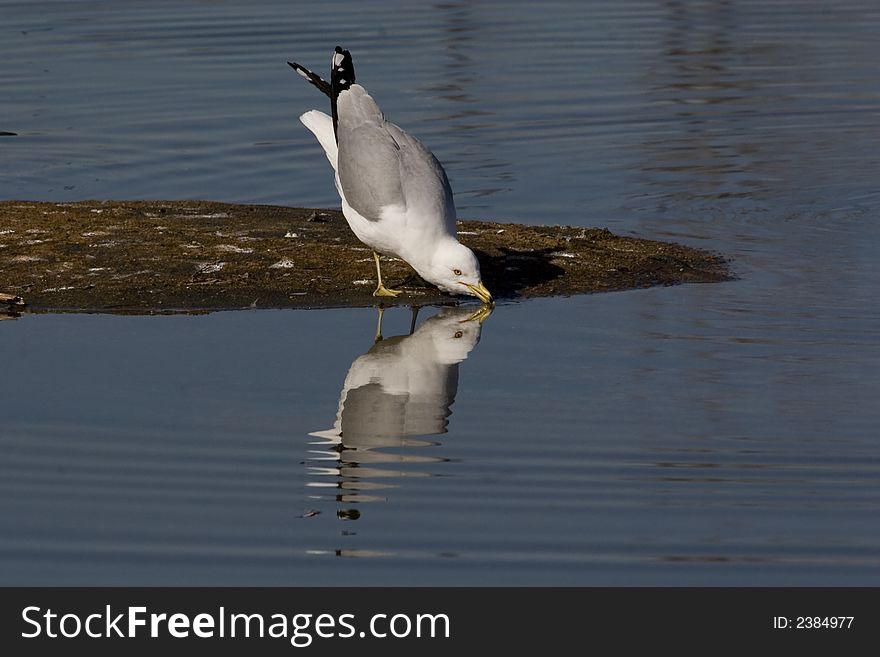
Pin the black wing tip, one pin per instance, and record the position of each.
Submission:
(346, 55)
(299, 68)
(341, 70)
(314, 79)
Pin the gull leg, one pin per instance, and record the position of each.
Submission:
(415, 314)
(378, 337)
(381, 290)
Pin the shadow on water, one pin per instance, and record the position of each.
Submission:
(396, 393)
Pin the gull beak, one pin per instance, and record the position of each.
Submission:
(481, 315)
(479, 290)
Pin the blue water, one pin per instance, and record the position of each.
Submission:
(691, 435)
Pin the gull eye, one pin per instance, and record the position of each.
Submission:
(458, 334)
(457, 272)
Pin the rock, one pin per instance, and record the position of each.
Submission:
(150, 256)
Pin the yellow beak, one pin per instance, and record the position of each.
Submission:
(479, 290)
(481, 315)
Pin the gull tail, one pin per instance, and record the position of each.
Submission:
(321, 126)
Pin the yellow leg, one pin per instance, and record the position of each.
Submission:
(381, 290)
(378, 337)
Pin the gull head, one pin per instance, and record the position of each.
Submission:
(454, 269)
(452, 334)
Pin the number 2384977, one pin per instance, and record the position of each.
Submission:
(813, 622)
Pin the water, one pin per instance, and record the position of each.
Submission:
(713, 434)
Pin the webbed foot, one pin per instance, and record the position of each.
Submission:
(383, 291)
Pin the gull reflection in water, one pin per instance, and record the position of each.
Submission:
(401, 388)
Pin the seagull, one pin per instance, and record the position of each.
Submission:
(396, 393)
(395, 194)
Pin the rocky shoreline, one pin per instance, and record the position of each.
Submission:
(189, 256)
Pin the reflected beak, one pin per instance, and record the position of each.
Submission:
(482, 314)
(479, 290)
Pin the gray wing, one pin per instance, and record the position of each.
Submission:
(380, 165)
(404, 390)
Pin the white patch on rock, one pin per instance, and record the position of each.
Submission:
(231, 248)
(209, 267)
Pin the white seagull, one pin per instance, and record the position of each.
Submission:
(395, 194)
(404, 385)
